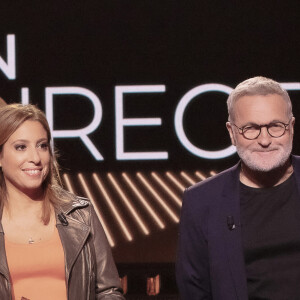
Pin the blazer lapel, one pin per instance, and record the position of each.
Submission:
(233, 237)
(296, 167)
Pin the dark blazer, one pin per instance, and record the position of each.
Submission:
(210, 262)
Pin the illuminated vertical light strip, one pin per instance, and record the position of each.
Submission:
(200, 175)
(112, 207)
(212, 173)
(144, 202)
(166, 188)
(174, 180)
(68, 183)
(88, 193)
(128, 204)
(158, 198)
(187, 177)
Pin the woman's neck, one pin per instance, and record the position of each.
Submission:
(21, 203)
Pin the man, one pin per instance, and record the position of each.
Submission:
(240, 230)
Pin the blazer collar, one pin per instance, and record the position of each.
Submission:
(296, 167)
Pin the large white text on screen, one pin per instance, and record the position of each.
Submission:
(8, 67)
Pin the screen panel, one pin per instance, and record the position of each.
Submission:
(135, 93)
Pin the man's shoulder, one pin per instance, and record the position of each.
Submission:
(208, 194)
(215, 182)
(296, 160)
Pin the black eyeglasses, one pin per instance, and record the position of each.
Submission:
(252, 132)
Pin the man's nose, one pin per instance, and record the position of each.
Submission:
(264, 138)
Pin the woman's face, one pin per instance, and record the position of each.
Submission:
(25, 159)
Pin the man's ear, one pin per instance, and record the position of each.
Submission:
(292, 125)
(229, 128)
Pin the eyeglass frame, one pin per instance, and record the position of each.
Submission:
(260, 127)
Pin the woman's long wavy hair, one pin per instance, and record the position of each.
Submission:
(12, 116)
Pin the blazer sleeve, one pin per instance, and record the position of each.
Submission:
(192, 265)
(107, 278)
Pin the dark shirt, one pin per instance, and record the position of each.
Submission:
(270, 219)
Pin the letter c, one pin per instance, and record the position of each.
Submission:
(185, 100)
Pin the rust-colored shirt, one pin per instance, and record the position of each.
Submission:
(37, 270)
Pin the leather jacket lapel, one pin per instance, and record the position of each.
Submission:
(3, 262)
(73, 237)
(233, 236)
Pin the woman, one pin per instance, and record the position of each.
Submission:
(52, 245)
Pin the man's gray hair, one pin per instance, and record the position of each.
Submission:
(257, 86)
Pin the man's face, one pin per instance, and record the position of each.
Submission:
(264, 153)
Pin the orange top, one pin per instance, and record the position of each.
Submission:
(37, 270)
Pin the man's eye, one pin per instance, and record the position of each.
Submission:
(250, 128)
(276, 125)
(20, 147)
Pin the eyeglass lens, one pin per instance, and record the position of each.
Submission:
(275, 130)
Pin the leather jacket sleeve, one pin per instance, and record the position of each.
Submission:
(107, 279)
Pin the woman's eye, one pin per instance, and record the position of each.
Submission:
(20, 147)
(43, 146)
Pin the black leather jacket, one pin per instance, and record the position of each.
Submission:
(90, 269)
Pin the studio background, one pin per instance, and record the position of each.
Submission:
(100, 46)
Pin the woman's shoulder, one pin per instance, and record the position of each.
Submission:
(71, 202)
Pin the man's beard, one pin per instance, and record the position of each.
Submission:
(276, 159)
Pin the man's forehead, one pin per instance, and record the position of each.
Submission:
(260, 97)
(261, 109)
